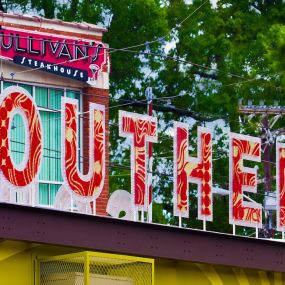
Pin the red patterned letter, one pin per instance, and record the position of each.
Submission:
(243, 179)
(195, 170)
(140, 129)
(83, 187)
(280, 191)
(16, 100)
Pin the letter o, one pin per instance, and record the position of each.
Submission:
(16, 99)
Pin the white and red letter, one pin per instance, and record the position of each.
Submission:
(243, 179)
(140, 129)
(83, 187)
(195, 170)
(280, 189)
(16, 100)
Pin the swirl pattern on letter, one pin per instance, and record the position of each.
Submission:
(140, 129)
(195, 170)
(280, 189)
(89, 186)
(243, 179)
(15, 99)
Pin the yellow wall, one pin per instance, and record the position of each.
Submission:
(187, 273)
(17, 261)
(17, 268)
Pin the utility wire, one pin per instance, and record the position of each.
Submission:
(112, 107)
(181, 60)
(143, 53)
(128, 49)
(178, 25)
(190, 15)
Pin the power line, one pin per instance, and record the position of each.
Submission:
(190, 15)
(143, 101)
(143, 53)
(178, 25)
(105, 48)
(116, 124)
(125, 166)
(181, 60)
(127, 49)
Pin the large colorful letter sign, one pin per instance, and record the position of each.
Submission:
(140, 129)
(195, 170)
(16, 100)
(243, 179)
(280, 189)
(83, 187)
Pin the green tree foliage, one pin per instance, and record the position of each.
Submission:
(207, 58)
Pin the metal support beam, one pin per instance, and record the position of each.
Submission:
(257, 109)
(135, 238)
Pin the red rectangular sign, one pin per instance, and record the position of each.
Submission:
(69, 57)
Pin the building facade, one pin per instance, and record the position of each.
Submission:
(47, 89)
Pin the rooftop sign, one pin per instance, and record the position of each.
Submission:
(140, 129)
(65, 56)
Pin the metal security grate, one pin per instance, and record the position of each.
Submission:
(91, 268)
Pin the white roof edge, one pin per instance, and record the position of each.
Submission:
(40, 22)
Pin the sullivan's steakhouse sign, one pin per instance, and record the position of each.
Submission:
(140, 129)
(76, 59)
